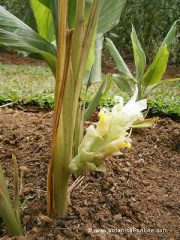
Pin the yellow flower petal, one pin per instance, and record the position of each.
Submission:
(103, 124)
(124, 145)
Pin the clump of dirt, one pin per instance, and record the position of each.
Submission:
(137, 198)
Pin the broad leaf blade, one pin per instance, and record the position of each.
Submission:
(139, 55)
(158, 67)
(121, 65)
(44, 20)
(45, 3)
(123, 83)
(170, 35)
(17, 35)
(96, 71)
(110, 13)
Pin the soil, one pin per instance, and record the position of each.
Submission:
(140, 188)
(108, 66)
(12, 58)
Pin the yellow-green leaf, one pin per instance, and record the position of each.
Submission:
(144, 123)
(158, 67)
(139, 55)
(44, 20)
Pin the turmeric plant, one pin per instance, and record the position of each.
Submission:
(145, 79)
(66, 38)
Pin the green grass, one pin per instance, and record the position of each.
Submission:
(34, 85)
(165, 100)
(26, 84)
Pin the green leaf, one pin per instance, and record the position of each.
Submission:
(139, 55)
(17, 35)
(54, 10)
(17, 203)
(123, 83)
(96, 71)
(72, 13)
(121, 65)
(44, 20)
(6, 209)
(144, 123)
(105, 23)
(103, 89)
(170, 80)
(45, 2)
(170, 35)
(52, 6)
(3, 185)
(158, 67)
(110, 13)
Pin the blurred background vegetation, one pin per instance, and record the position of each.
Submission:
(151, 19)
(21, 9)
(34, 85)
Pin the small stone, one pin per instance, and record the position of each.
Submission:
(42, 219)
(118, 218)
(140, 161)
(128, 221)
(26, 190)
(133, 199)
(176, 132)
(142, 225)
(123, 179)
(128, 164)
(126, 170)
(24, 169)
(34, 229)
(145, 183)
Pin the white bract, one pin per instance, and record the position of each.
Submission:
(109, 136)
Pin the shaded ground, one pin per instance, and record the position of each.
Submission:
(107, 67)
(139, 189)
(13, 58)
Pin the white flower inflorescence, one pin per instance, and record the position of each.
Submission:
(110, 135)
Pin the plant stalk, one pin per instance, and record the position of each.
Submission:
(69, 79)
(6, 209)
(62, 139)
(7, 213)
